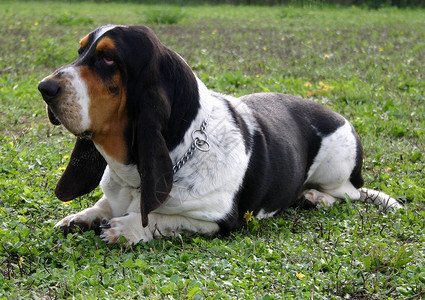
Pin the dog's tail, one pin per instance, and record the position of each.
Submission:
(382, 200)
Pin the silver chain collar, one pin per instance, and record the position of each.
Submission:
(200, 142)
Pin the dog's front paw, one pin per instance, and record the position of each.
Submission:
(128, 226)
(84, 221)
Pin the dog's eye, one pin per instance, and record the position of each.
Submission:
(108, 61)
(80, 50)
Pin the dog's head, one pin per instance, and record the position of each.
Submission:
(129, 97)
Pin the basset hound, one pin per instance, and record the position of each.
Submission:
(172, 156)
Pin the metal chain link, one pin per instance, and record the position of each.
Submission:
(200, 142)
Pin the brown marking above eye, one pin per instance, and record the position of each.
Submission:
(84, 41)
(105, 44)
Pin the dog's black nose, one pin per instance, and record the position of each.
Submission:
(49, 89)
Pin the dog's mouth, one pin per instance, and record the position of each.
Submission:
(52, 117)
(55, 121)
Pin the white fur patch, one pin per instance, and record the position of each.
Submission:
(130, 227)
(102, 30)
(81, 94)
(262, 214)
(125, 175)
(382, 200)
(206, 185)
(335, 160)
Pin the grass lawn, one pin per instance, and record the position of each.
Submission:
(366, 64)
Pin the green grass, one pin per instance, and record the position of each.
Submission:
(367, 65)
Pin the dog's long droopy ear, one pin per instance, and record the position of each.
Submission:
(83, 173)
(153, 162)
(162, 99)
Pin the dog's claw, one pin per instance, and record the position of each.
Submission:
(105, 226)
(65, 230)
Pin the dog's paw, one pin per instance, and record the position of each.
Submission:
(83, 221)
(128, 226)
(318, 199)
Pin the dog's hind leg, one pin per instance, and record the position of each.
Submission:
(327, 197)
(380, 199)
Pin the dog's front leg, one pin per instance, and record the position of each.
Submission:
(130, 227)
(88, 219)
(114, 203)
